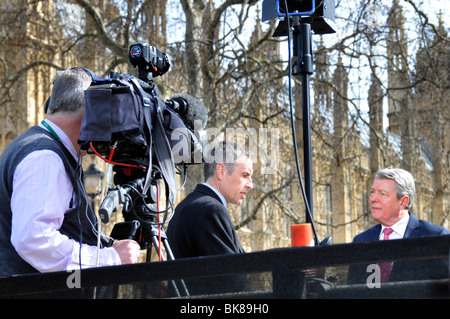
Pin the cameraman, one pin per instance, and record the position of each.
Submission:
(46, 223)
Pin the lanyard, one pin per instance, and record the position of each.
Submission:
(51, 130)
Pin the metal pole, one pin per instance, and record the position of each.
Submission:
(304, 67)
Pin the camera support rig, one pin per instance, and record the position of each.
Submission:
(123, 195)
(139, 224)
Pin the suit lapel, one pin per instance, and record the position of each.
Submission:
(375, 233)
(400, 268)
(412, 227)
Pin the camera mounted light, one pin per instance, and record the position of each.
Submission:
(319, 13)
(296, 7)
(149, 60)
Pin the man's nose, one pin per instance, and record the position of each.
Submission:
(373, 197)
(250, 184)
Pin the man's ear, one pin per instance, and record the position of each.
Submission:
(221, 170)
(405, 201)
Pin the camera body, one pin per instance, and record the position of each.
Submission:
(127, 125)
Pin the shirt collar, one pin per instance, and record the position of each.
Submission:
(224, 201)
(63, 136)
(399, 227)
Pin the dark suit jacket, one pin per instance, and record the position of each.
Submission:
(407, 270)
(202, 226)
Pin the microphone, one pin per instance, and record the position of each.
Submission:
(189, 108)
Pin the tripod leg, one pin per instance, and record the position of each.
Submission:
(168, 249)
(172, 282)
(156, 244)
(171, 257)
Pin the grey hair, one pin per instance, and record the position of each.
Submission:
(404, 182)
(68, 91)
(224, 152)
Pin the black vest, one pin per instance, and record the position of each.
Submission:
(78, 223)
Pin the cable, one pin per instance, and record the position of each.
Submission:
(110, 158)
(102, 196)
(159, 221)
(78, 176)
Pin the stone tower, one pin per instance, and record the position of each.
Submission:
(401, 112)
(432, 103)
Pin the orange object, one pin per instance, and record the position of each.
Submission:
(302, 235)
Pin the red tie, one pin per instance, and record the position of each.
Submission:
(385, 267)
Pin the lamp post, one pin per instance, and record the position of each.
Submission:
(92, 179)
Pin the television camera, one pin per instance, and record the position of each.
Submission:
(147, 140)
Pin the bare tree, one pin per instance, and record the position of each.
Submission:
(227, 58)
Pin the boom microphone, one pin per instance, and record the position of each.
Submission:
(189, 108)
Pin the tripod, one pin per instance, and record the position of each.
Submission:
(139, 223)
(156, 233)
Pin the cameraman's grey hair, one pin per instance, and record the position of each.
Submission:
(404, 182)
(224, 152)
(68, 91)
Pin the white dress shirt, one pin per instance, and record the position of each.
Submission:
(42, 192)
(398, 228)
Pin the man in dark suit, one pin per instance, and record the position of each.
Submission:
(201, 225)
(391, 197)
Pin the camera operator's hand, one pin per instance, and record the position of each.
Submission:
(128, 250)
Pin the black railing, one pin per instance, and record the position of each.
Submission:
(297, 272)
